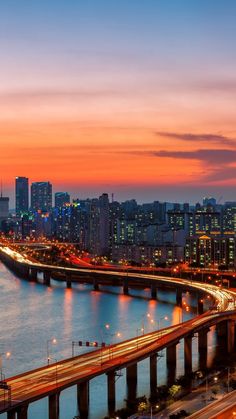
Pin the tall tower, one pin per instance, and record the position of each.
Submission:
(41, 196)
(22, 195)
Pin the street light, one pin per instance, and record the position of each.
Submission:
(7, 355)
(156, 407)
(56, 364)
(50, 341)
(160, 320)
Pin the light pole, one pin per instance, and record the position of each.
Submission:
(156, 407)
(7, 355)
(56, 364)
(160, 320)
(50, 341)
(112, 335)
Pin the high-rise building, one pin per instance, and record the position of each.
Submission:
(22, 195)
(41, 196)
(4, 209)
(61, 199)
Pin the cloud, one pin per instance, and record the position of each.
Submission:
(218, 164)
(46, 94)
(218, 156)
(212, 138)
(220, 85)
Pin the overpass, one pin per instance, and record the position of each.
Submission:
(30, 270)
(50, 380)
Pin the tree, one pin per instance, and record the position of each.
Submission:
(174, 390)
(142, 407)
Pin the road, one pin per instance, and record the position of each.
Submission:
(221, 409)
(39, 383)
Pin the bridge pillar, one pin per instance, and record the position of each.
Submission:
(179, 297)
(46, 277)
(125, 286)
(153, 373)
(68, 281)
(25, 272)
(221, 330)
(95, 284)
(188, 355)
(171, 364)
(111, 391)
(200, 305)
(230, 336)
(33, 274)
(131, 379)
(53, 408)
(83, 399)
(11, 414)
(153, 291)
(22, 412)
(202, 348)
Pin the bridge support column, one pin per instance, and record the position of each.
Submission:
(53, 408)
(95, 285)
(131, 378)
(200, 305)
(33, 274)
(11, 414)
(46, 277)
(202, 348)
(179, 297)
(68, 281)
(230, 336)
(25, 272)
(125, 286)
(171, 364)
(153, 291)
(111, 392)
(221, 330)
(153, 373)
(83, 399)
(188, 355)
(22, 412)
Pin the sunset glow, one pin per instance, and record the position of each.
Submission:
(136, 98)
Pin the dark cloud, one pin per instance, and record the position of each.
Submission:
(214, 157)
(212, 138)
(221, 173)
(218, 164)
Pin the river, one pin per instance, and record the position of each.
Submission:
(33, 314)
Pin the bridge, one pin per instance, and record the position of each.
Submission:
(50, 380)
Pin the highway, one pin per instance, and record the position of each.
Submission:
(39, 383)
(221, 409)
(36, 384)
(226, 300)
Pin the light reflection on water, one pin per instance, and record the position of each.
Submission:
(31, 314)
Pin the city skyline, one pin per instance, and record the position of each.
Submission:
(132, 99)
(60, 195)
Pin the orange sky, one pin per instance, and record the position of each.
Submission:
(108, 98)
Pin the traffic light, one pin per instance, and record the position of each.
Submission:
(103, 344)
(95, 344)
(87, 343)
(80, 343)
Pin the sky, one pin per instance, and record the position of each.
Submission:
(134, 97)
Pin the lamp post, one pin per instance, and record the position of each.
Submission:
(56, 364)
(50, 341)
(7, 355)
(156, 407)
(160, 320)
